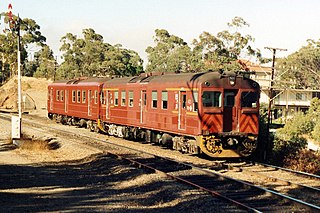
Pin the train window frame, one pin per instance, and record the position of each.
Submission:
(254, 104)
(216, 101)
(62, 95)
(123, 98)
(116, 98)
(73, 96)
(164, 96)
(154, 99)
(131, 95)
(57, 95)
(78, 96)
(95, 96)
(195, 96)
(84, 96)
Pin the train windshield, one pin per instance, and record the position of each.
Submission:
(211, 99)
(249, 99)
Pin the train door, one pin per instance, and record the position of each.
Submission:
(66, 100)
(230, 111)
(143, 106)
(89, 102)
(182, 110)
(51, 99)
(107, 97)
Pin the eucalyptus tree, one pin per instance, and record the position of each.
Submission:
(222, 51)
(170, 53)
(44, 63)
(29, 32)
(90, 56)
(209, 51)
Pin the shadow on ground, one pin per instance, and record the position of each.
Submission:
(99, 183)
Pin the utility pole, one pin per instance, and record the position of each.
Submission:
(274, 50)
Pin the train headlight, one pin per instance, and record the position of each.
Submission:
(232, 80)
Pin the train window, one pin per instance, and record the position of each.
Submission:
(58, 95)
(130, 98)
(184, 101)
(164, 99)
(116, 96)
(195, 101)
(61, 95)
(144, 92)
(73, 96)
(211, 99)
(154, 99)
(78, 96)
(83, 96)
(229, 99)
(249, 99)
(95, 97)
(123, 98)
(102, 99)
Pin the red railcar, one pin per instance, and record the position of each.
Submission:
(215, 113)
(75, 101)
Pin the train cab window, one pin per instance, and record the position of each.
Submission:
(61, 95)
(95, 97)
(154, 99)
(249, 99)
(123, 98)
(58, 95)
(211, 99)
(73, 96)
(164, 99)
(78, 96)
(83, 96)
(130, 98)
(195, 101)
(229, 99)
(116, 98)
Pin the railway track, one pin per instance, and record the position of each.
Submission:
(301, 185)
(247, 196)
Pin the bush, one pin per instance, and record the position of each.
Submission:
(304, 160)
(316, 132)
(300, 124)
(284, 148)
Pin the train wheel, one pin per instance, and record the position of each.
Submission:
(166, 140)
(96, 128)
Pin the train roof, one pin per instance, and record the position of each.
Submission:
(174, 78)
(81, 81)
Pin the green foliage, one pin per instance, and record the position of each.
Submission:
(169, 53)
(222, 51)
(89, 56)
(300, 124)
(30, 34)
(316, 132)
(45, 63)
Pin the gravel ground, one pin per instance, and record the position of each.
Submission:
(75, 177)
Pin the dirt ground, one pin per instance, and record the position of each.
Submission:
(79, 178)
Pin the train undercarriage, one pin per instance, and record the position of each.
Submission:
(216, 146)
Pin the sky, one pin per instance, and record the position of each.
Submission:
(283, 24)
